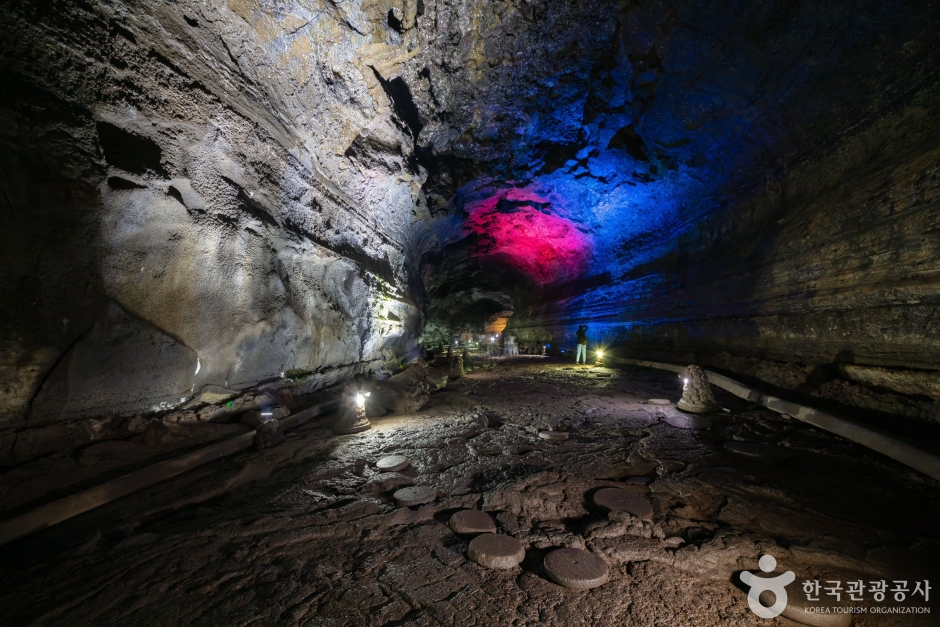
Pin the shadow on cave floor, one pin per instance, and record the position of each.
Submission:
(293, 536)
(918, 431)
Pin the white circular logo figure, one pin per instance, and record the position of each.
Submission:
(775, 584)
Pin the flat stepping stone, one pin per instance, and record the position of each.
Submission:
(576, 568)
(809, 612)
(755, 450)
(688, 421)
(494, 550)
(553, 435)
(393, 463)
(638, 480)
(602, 375)
(659, 401)
(417, 495)
(618, 500)
(472, 522)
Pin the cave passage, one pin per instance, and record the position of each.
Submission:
(440, 312)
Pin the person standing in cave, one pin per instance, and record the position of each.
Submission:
(581, 356)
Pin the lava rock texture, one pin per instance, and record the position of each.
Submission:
(202, 196)
(194, 195)
(305, 539)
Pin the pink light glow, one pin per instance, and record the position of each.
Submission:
(548, 248)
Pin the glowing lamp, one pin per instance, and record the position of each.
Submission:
(600, 354)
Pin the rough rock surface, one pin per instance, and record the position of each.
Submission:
(749, 179)
(222, 193)
(921, 383)
(195, 194)
(292, 535)
(633, 501)
(471, 522)
(456, 367)
(268, 434)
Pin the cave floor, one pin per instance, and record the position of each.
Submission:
(292, 536)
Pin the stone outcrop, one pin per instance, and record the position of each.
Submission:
(268, 434)
(406, 392)
(456, 367)
(195, 194)
(914, 382)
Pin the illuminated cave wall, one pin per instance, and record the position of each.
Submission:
(197, 198)
(837, 262)
(742, 180)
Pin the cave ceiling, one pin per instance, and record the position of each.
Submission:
(482, 154)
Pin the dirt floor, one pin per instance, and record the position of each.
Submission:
(293, 536)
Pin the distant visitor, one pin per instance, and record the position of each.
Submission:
(581, 357)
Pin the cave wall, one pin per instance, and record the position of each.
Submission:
(187, 203)
(674, 136)
(235, 190)
(837, 262)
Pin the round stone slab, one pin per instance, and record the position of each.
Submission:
(688, 421)
(809, 612)
(576, 568)
(416, 495)
(496, 551)
(472, 522)
(553, 435)
(659, 401)
(393, 463)
(633, 501)
(756, 450)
